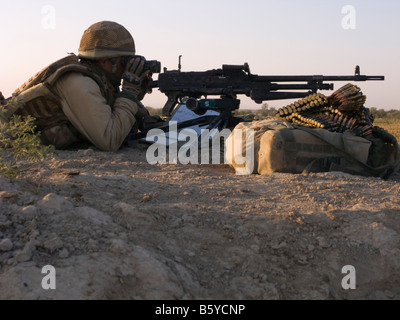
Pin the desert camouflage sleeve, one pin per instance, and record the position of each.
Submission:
(105, 126)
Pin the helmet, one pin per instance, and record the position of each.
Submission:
(106, 39)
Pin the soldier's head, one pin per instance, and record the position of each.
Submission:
(106, 42)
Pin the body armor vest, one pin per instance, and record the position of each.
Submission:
(39, 100)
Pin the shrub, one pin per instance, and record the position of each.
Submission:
(20, 141)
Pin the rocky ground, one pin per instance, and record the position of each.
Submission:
(115, 227)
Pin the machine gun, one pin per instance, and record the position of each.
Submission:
(193, 88)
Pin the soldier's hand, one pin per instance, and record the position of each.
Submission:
(135, 77)
(142, 112)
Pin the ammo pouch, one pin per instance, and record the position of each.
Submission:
(279, 146)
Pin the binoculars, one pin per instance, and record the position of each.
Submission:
(153, 66)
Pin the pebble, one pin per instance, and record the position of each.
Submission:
(322, 242)
(85, 153)
(302, 260)
(24, 256)
(9, 196)
(178, 259)
(56, 203)
(262, 277)
(28, 212)
(53, 244)
(63, 254)
(6, 245)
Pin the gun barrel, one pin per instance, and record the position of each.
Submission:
(313, 78)
(276, 86)
(372, 78)
(354, 78)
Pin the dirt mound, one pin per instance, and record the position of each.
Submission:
(115, 227)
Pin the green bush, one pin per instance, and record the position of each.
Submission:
(383, 114)
(20, 141)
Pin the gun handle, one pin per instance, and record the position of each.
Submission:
(171, 104)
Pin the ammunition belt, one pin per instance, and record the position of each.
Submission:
(343, 110)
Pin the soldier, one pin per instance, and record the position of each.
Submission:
(81, 99)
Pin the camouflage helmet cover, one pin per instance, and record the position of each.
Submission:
(106, 39)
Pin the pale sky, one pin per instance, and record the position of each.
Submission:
(288, 37)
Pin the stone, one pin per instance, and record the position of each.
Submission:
(56, 203)
(6, 245)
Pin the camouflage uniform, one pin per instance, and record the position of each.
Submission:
(76, 100)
